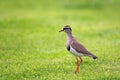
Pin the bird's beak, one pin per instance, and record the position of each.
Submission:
(61, 30)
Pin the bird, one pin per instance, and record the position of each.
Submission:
(76, 48)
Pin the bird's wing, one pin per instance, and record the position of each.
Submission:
(80, 48)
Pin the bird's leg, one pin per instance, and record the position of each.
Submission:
(77, 60)
(78, 64)
(80, 59)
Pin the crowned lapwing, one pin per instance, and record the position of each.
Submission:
(76, 48)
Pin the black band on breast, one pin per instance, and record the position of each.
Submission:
(68, 48)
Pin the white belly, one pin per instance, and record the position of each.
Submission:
(74, 52)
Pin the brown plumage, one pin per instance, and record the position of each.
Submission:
(81, 49)
(75, 47)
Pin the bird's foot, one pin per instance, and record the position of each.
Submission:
(76, 72)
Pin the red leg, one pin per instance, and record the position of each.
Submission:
(78, 64)
(80, 59)
(77, 60)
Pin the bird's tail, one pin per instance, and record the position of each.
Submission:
(94, 57)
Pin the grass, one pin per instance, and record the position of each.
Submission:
(31, 48)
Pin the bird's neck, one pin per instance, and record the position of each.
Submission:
(69, 36)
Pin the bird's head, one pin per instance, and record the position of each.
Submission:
(66, 29)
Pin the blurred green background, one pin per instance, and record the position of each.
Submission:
(31, 48)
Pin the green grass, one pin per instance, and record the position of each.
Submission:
(31, 48)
